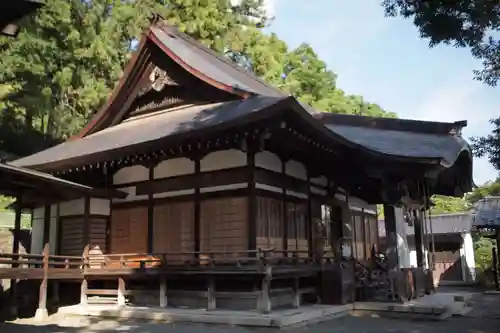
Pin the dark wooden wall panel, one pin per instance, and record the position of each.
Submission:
(173, 229)
(128, 232)
(223, 225)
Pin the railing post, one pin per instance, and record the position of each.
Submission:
(41, 312)
(84, 286)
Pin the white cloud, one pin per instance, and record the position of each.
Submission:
(269, 6)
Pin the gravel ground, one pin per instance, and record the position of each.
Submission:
(348, 324)
(484, 318)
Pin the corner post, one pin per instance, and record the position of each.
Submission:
(84, 286)
(121, 292)
(41, 312)
(15, 250)
(252, 195)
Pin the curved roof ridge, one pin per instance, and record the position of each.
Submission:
(171, 29)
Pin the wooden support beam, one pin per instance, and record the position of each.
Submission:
(17, 226)
(83, 292)
(84, 286)
(121, 292)
(211, 303)
(86, 221)
(265, 297)
(41, 312)
(252, 196)
(46, 224)
(296, 292)
(309, 221)
(197, 206)
(285, 209)
(163, 293)
(150, 231)
(15, 250)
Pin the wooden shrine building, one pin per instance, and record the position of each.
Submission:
(238, 196)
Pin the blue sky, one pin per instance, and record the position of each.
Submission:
(385, 61)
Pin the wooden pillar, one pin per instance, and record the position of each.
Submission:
(41, 312)
(211, 303)
(121, 292)
(419, 246)
(84, 286)
(252, 196)
(46, 224)
(163, 293)
(15, 250)
(17, 226)
(285, 208)
(296, 292)
(86, 221)
(309, 221)
(197, 206)
(150, 233)
(265, 299)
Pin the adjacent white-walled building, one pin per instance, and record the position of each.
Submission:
(453, 246)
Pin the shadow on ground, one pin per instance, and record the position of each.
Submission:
(349, 324)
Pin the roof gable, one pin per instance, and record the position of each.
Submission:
(165, 61)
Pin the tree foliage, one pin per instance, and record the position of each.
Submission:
(474, 24)
(70, 55)
(489, 145)
(446, 205)
(488, 189)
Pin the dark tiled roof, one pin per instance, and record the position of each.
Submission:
(441, 224)
(444, 147)
(487, 218)
(150, 128)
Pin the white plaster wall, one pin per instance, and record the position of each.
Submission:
(321, 180)
(358, 204)
(37, 234)
(173, 167)
(223, 159)
(131, 194)
(296, 169)
(468, 260)
(53, 229)
(73, 207)
(223, 187)
(318, 191)
(268, 188)
(268, 160)
(100, 206)
(135, 173)
(402, 239)
(413, 257)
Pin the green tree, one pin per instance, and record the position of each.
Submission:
(489, 145)
(488, 189)
(446, 205)
(474, 24)
(70, 55)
